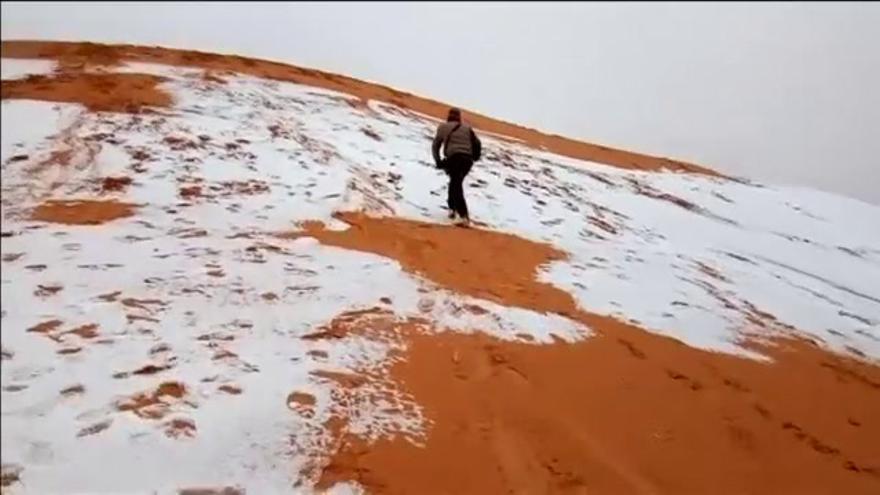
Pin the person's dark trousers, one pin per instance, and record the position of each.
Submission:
(458, 166)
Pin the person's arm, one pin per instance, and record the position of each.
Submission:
(435, 147)
(476, 146)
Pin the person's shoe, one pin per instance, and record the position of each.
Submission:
(453, 215)
(463, 222)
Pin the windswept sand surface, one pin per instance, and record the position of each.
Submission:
(223, 275)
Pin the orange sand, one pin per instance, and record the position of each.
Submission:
(302, 402)
(85, 331)
(479, 263)
(112, 92)
(81, 212)
(115, 184)
(625, 411)
(611, 415)
(46, 327)
(145, 404)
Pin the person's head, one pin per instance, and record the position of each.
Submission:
(454, 115)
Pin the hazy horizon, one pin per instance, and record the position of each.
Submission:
(783, 93)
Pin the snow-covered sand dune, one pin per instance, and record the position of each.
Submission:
(167, 344)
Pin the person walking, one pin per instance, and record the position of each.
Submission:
(461, 148)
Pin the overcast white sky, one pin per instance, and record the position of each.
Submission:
(788, 92)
